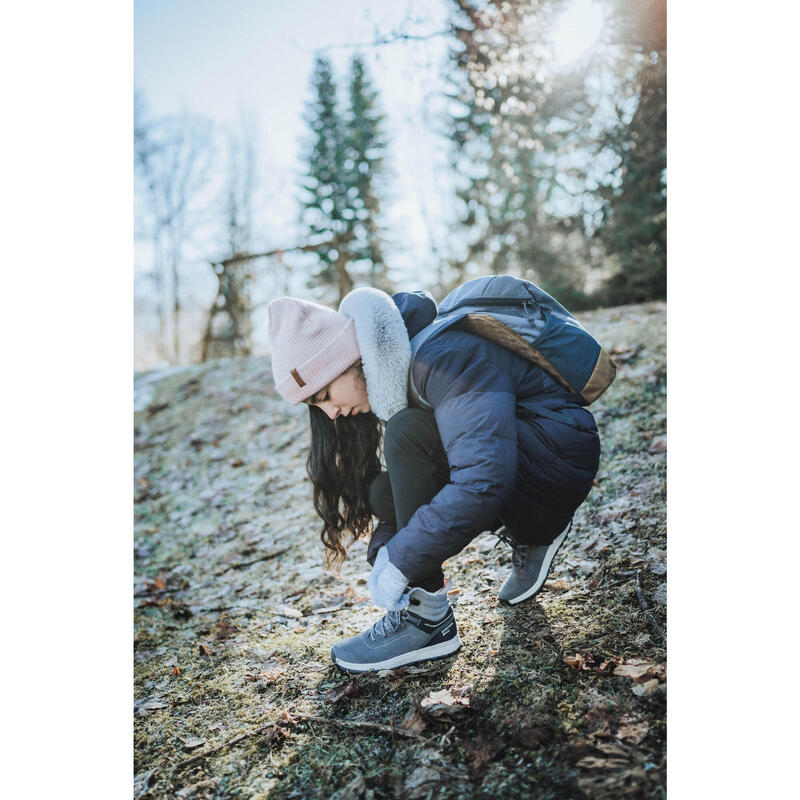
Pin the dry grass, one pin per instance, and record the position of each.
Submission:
(235, 616)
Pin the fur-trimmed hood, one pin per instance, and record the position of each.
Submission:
(383, 339)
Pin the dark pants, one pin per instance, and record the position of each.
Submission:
(417, 470)
(557, 464)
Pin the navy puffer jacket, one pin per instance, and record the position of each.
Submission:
(532, 472)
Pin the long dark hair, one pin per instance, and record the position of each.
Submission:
(343, 460)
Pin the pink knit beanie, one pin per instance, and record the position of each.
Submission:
(311, 345)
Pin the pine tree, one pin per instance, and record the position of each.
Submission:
(326, 201)
(365, 149)
(345, 159)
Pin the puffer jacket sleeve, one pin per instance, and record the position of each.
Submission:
(474, 403)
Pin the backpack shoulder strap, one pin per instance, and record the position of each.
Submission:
(416, 398)
(436, 327)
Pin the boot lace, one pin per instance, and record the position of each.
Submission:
(387, 624)
(517, 550)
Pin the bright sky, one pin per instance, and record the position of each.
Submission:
(216, 58)
(576, 30)
(219, 59)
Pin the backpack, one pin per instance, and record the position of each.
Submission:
(520, 316)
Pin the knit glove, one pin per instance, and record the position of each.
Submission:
(387, 584)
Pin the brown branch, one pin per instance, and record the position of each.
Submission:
(304, 248)
(234, 740)
(368, 726)
(355, 724)
(243, 564)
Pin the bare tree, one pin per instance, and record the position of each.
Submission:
(172, 160)
(229, 327)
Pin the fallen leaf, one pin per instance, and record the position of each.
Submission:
(632, 732)
(557, 585)
(288, 611)
(412, 670)
(581, 661)
(413, 721)
(657, 561)
(327, 609)
(418, 784)
(648, 687)
(640, 669)
(337, 693)
(660, 594)
(191, 742)
(623, 353)
(658, 445)
(273, 675)
(223, 628)
(442, 705)
(481, 751)
(274, 733)
(610, 748)
(149, 706)
(205, 650)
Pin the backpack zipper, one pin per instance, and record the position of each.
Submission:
(490, 301)
(527, 304)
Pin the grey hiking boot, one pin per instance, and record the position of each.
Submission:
(530, 568)
(425, 630)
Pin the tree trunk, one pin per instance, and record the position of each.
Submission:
(176, 297)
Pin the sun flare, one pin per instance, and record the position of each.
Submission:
(576, 30)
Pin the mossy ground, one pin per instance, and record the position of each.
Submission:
(235, 616)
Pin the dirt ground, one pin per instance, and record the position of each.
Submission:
(235, 694)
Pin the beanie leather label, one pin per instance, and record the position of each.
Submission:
(300, 381)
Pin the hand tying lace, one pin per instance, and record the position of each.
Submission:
(387, 624)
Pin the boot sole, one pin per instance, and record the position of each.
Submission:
(546, 564)
(423, 654)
